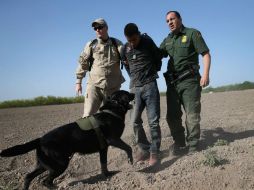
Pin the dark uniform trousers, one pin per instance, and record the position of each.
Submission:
(188, 94)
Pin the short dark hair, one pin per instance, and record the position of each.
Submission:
(176, 13)
(131, 29)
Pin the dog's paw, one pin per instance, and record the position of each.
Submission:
(49, 185)
(130, 160)
(108, 173)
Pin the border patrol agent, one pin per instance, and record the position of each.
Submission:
(184, 83)
(101, 58)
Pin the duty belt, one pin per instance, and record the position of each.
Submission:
(173, 78)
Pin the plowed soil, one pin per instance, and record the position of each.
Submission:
(228, 116)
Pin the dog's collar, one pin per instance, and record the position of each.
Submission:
(112, 113)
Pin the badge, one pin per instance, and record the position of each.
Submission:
(184, 39)
(134, 56)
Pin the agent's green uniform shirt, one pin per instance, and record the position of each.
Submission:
(183, 49)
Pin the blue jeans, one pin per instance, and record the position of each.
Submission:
(147, 97)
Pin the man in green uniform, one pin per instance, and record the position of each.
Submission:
(184, 83)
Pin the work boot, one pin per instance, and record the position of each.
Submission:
(193, 149)
(177, 149)
(142, 156)
(154, 160)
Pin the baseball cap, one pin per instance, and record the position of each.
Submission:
(99, 21)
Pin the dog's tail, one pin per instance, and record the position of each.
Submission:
(20, 149)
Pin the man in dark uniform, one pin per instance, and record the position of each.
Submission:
(142, 63)
(184, 83)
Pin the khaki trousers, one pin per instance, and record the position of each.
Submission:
(95, 97)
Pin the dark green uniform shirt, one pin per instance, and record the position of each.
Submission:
(183, 49)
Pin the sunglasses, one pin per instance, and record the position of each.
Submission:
(98, 28)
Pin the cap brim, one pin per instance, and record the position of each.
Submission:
(94, 23)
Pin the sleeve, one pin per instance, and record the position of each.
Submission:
(163, 50)
(199, 42)
(119, 45)
(83, 63)
(124, 59)
(156, 54)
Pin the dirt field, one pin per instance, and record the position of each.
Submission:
(228, 116)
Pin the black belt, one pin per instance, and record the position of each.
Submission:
(174, 77)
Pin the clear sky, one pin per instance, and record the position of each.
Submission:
(40, 40)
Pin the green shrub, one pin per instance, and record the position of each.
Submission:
(52, 100)
(242, 86)
(221, 142)
(211, 159)
(40, 101)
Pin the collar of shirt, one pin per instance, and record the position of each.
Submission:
(139, 44)
(182, 31)
(100, 41)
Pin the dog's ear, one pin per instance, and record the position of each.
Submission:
(114, 96)
(107, 104)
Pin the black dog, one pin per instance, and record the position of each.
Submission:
(55, 149)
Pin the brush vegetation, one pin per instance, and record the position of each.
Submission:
(234, 87)
(221, 142)
(211, 159)
(40, 101)
(52, 100)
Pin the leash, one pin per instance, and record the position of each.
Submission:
(96, 128)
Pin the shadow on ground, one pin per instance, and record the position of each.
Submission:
(94, 179)
(209, 137)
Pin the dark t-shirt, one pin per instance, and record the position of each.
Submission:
(142, 61)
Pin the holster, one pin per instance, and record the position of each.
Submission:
(169, 77)
(172, 78)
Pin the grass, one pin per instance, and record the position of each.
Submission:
(234, 87)
(211, 159)
(52, 100)
(221, 142)
(40, 101)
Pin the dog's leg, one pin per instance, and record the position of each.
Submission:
(122, 145)
(60, 167)
(29, 177)
(48, 182)
(103, 161)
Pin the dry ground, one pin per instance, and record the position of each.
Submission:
(228, 116)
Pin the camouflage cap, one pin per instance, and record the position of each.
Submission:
(99, 21)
